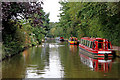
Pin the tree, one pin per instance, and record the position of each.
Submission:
(25, 24)
(91, 19)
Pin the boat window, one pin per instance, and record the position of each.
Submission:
(94, 45)
(85, 43)
(81, 41)
(88, 43)
(109, 45)
(100, 44)
(91, 45)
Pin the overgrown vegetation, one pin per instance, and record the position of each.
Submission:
(89, 19)
(25, 24)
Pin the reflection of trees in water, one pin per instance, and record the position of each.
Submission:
(45, 53)
(25, 56)
(13, 68)
(38, 60)
(55, 63)
(70, 62)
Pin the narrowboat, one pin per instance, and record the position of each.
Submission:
(61, 39)
(73, 41)
(96, 47)
(99, 65)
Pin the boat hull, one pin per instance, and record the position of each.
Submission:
(95, 54)
(61, 39)
(73, 42)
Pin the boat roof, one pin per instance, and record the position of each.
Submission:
(92, 39)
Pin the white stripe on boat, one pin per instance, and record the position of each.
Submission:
(104, 52)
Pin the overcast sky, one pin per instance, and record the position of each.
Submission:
(52, 7)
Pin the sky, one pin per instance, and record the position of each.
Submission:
(52, 7)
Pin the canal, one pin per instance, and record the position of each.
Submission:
(54, 59)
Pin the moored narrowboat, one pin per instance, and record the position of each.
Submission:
(61, 39)
(96, 47)
(73, 41)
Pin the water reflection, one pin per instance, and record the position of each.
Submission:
(99, 65)
(50, 66)
(73, 48)
(36, 63)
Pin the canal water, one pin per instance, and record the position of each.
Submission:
(54, 59)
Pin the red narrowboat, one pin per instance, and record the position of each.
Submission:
(96, 47)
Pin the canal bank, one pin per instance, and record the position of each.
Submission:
(11, 55)
(117, 49)
(6, 56)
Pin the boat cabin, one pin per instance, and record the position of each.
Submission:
(96, 43)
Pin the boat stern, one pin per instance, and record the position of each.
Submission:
(105, 54)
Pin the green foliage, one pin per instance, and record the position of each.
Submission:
(27, 30)
(100, 19)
